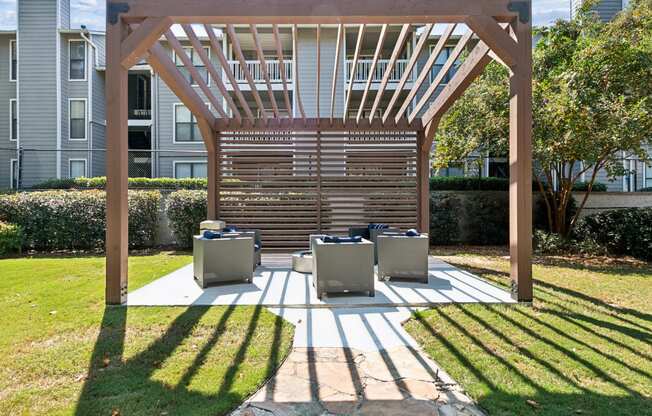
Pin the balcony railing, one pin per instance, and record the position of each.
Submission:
(255, 69)
(364, 67)
(140, 113)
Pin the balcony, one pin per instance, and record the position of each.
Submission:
(256, 70)
(363, 68)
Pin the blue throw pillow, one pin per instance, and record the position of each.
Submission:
(354, 239)
(412, 233)
(256, 247)
(211, 235)
(229, 229)
(329, 239)
(374, 226)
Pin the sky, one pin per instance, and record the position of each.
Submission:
(91, 13)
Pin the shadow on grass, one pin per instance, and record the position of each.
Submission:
(547, 378)
(131, 386)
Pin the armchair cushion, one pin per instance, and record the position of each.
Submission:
(211, 235)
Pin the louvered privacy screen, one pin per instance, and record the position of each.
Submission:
(292, 184)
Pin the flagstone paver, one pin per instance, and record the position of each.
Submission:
(345, 381)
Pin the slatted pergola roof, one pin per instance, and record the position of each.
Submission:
(500, 29)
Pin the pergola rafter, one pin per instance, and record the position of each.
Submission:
(499, 30)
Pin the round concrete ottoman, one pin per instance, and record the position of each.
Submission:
(302, 261)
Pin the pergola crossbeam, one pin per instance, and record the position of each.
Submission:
(161, 62)
(452, 58)
(336, 67)
(354, 66)
(495, 36)
(295, 67)
(194, 73)
(398, 47)
(281, 63)
(423, 39)
(217, 50)
(217, 79)
(372, 71)
(263, 68)
(143, 36)
(237, 50)
(427, 67)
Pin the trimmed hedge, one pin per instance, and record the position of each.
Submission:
(621, 231)
(134, 183)
(467, 183)
(11, 237)
(185, 210)
(64, 220)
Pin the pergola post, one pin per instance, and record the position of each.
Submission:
(520, 162)
(210, 138)
(423, 183)
(117, 220)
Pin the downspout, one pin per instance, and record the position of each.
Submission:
(84, 34)
(58, 94)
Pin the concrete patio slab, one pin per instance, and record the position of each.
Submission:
(276, 285)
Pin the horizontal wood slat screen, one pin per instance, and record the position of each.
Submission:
(292, 184)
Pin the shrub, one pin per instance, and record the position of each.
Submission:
(621, 231)
(60, 220)
(185, 210)
(488, 218)
(580, 186)
(134, 183)
(464, 183)
(648, 189)
(11, 238)
(444, 218)
(554, 244)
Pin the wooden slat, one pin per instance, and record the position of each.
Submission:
(398, 47)
(318, 67)
(217, 79)
(142, 38)
(201, 82)
(281, 63)
(425, 70)
(372, 70)
(423, 39)
(308, 124)
(235, 44)
(495, 36)
(425, 98)
(263, 68)
(356, 55)
(161, 62)
(297, 88)
(336, 67)
(217, 50)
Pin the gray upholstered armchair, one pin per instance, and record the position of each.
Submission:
(403, 257)
(224, 259)
(343, 267)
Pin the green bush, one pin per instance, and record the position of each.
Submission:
(648, 189)
(488, 218)
(185, 210)
(61, 220)
(444, 218)
(464, 183)
(621, 231)
(580, 186)
(11, 238)
(134, 183)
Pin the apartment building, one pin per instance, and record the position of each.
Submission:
(52, 81)
(606, 9)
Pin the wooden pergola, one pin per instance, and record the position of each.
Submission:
(502, 29)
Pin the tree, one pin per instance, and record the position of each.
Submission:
(592, 105)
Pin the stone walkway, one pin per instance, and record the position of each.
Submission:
(344, 381)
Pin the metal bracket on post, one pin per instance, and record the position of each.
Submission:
(113, 9)
(522, 8)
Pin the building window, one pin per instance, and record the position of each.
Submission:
(13, 173)
(630, 178)
(196, 62)
(77, 168)
(190, 170)
(439, 64)
(13, 114)
(13, 69)
(78, 119)
(648, 175)
(77, 53)
(185, 125)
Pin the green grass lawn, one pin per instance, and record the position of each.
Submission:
(62, 352)
(583, 348)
